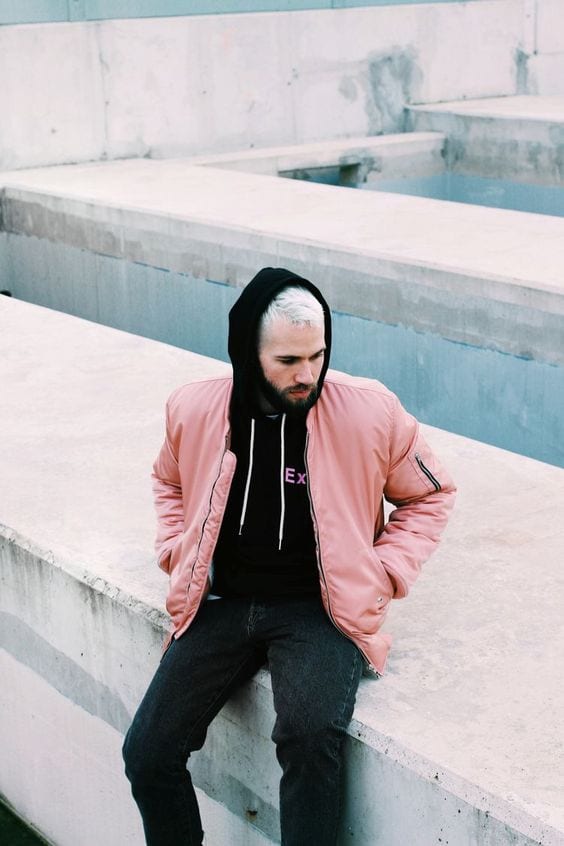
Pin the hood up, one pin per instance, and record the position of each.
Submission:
(244, 320)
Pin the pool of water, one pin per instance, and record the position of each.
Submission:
(497, 193)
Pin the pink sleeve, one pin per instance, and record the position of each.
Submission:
(423, 493)
(167, 493)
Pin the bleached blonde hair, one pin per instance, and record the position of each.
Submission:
(295, 304)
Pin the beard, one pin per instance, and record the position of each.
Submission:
(283, 400)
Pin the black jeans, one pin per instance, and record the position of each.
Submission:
(315, 672)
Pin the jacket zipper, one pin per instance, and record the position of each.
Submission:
(320, 565)
(436, 484)
(206, 519)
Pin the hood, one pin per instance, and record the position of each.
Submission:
(244, 319)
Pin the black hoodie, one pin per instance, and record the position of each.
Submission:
(266, 546)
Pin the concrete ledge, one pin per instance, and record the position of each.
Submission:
(161, 249)
(369, 158)
(469, 274)
(519, 138)
(441, 749)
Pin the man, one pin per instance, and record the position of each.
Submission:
(269, 493)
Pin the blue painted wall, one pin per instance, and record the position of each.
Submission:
(501, 399)
(41, 11)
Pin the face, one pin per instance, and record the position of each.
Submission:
(291, 359)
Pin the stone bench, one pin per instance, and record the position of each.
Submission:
(458, 743)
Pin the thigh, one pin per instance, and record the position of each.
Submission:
(195, 677)
(315, 671)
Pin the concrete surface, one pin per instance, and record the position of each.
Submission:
(103, 89)
(469, 274)
(369, 158)
(542, 65)
(461, 741)
(520, 138)
(546, 74)
(535, 109)
(161, 249)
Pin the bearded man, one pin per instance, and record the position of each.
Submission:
(269, 493)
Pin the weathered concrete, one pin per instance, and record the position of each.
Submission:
(365, 160)
(189, 85)
(466, 273)
(520, 138)
(546, 74)
(453, 745)
(474, 295)
(540, 56)
(543, 55)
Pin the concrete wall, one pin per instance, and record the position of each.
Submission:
(172, 86)
(519, 139)
(543, 56)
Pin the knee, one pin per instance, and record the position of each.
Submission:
(131, 754)
(143, 763)
(317, 742)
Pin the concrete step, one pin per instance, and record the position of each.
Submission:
(518, 138)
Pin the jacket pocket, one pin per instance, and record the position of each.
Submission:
(424, 469)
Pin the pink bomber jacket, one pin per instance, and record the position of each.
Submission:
(361, 446)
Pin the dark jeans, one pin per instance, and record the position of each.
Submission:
(315, 672)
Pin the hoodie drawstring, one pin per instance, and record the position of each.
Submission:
(250, 470)
(282, 496)
(248, 482)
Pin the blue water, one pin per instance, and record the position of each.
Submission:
(496, 193)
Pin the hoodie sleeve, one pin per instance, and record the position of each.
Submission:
(167, 494)
(423, 493)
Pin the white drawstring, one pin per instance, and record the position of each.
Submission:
(250, 470)
(282, 497)
(248, 482)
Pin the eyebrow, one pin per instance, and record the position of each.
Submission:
(289, 355)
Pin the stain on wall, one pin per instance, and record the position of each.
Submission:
(391, 79)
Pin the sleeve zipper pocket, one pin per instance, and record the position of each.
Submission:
(436, 484)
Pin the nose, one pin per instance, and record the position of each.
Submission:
(304, 376)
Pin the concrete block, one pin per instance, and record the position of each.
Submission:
(172, 85)
(61, 769)
(369, 158)
(423, 252)
(546, 74)
(549, 26)
(474, 49)
(51, 97)
(440, 749)
(516, 138)
(474, 294)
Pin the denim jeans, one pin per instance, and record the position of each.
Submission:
(315, 672)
